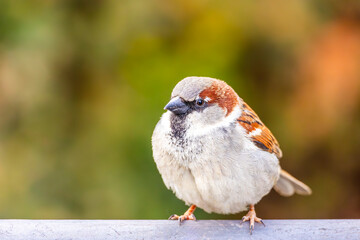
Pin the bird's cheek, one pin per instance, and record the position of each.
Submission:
(214, 114)
(195, 119)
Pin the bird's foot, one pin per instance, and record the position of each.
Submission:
(251, 217)
(182, 217)
(188, 215)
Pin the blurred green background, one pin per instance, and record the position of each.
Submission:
(83, 84)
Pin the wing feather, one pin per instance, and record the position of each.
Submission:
(258, 132)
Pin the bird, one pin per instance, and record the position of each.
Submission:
(213, 151)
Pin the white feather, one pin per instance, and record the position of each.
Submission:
(255, 132)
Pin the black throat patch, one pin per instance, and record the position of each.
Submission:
(177, 124)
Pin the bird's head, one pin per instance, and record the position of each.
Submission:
(203, 101)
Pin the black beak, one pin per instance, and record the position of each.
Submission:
(177, 106)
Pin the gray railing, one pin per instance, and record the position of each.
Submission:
(166, 229)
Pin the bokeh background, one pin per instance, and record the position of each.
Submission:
(83, 84)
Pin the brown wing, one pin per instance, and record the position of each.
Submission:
(258, 132)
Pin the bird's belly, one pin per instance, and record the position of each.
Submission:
(182, 182)
(221, 185)
(230, 185)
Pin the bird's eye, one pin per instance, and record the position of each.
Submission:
(200, 102)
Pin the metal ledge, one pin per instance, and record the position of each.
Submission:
(166, 229)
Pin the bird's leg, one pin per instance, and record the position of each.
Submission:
(188, 215)
(251, 216)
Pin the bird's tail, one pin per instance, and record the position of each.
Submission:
(287, 185)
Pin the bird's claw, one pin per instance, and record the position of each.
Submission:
(251, 229)
(182, 217)
(251, 217)
(173, 217)
(262, 222)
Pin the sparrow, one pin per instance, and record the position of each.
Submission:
(213, 151)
